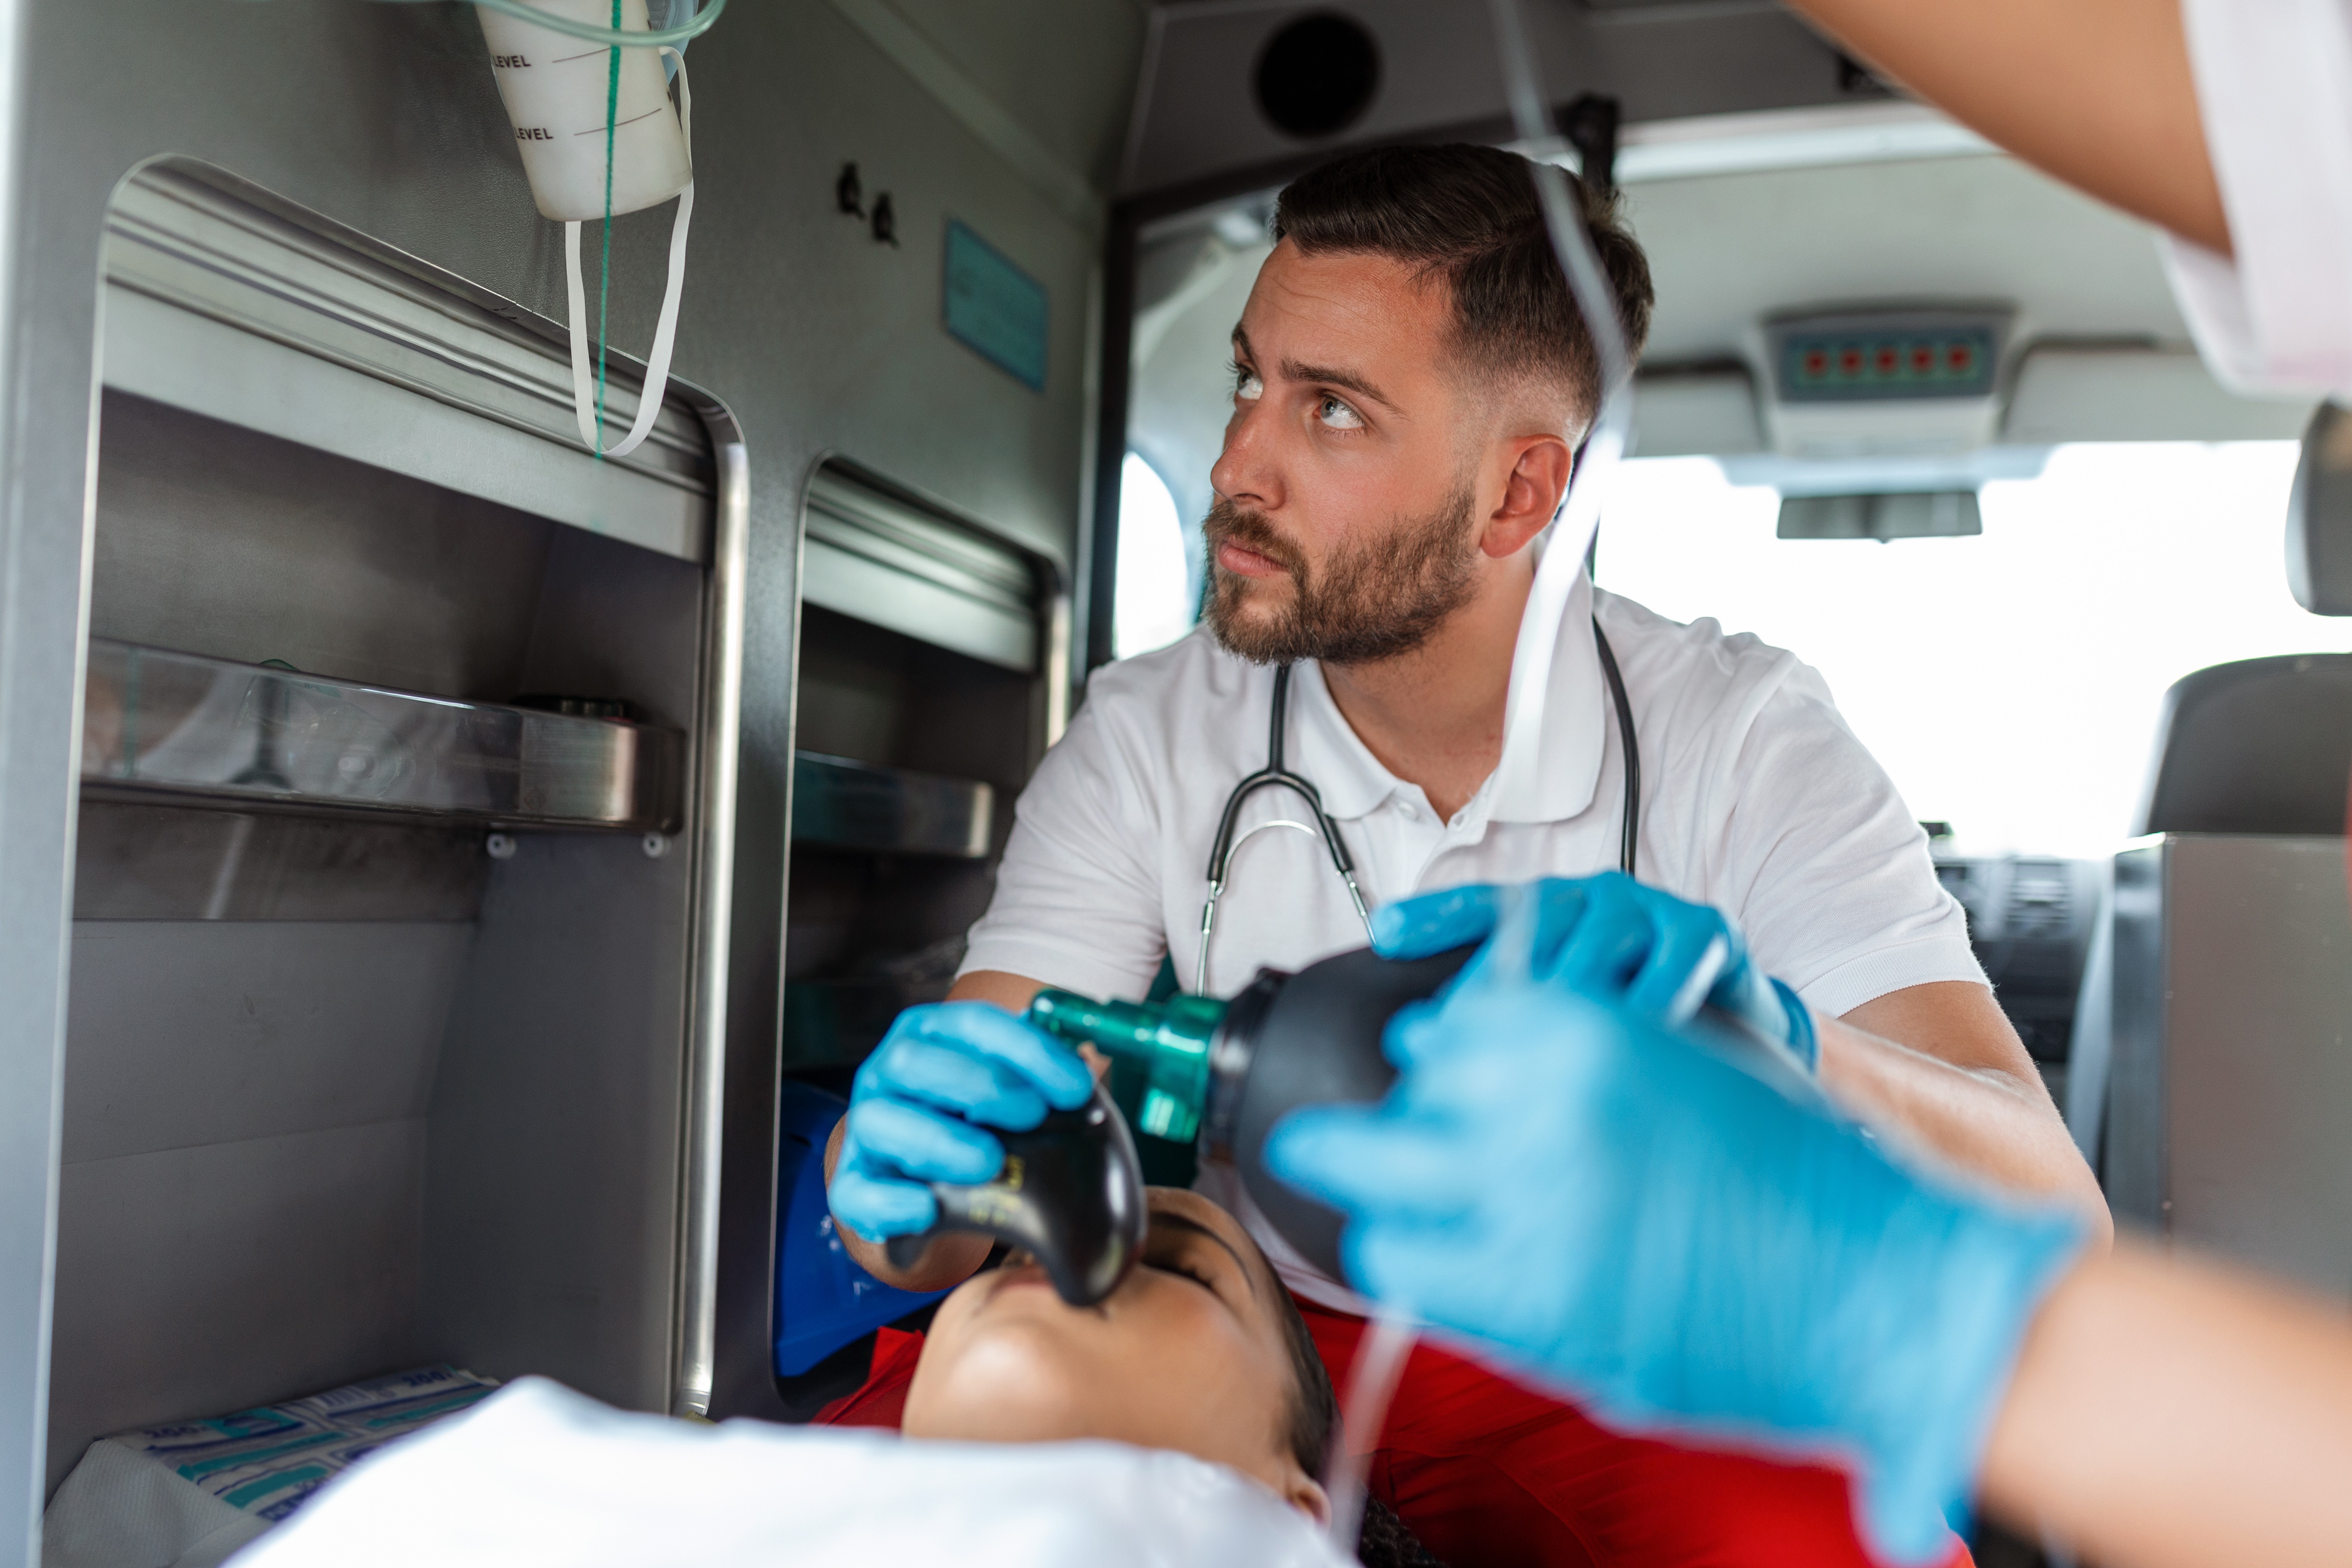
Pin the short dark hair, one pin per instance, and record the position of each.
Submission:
(1470, 216)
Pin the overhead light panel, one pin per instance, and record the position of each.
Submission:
(1883, 380)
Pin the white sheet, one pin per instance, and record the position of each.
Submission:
(540, 1474)
(122, 1508)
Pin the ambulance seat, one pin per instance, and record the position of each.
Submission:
(828, 1308)
(2227, 1083)
(2263, 745)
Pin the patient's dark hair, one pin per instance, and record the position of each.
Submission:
(1314, 1408)
(1313, 1420)
(1470, 216)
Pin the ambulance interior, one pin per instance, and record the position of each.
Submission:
(494, 859)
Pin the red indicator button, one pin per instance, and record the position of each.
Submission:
(1885, 359)
(1850, 361)
(1960, 359)
(1817, 362)
(1922, 360)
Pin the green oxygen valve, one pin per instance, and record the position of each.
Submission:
(1169, 1040)
(1219, 1074)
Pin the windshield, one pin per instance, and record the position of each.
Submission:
(2009, 681)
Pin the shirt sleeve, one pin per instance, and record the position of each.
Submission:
(1077, 893)
(2274, 91)
(1824, 866)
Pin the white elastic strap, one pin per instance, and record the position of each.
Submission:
(583, 399)
(649, 402)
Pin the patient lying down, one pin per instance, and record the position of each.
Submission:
(1053, 1434)
(1200, 1350)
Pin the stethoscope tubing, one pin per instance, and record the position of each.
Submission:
(1276, 775)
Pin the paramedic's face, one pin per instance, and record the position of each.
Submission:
(1188, 1353)
(1350, 492)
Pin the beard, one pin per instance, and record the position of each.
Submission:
(1376, 598)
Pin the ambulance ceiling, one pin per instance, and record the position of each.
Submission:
(1199, 117)
(1764, 175)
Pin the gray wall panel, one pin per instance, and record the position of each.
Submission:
(266, 1028)
(615, 621)
(194, 1281)
(385, 116)
(149, 862)
(214, 539)
(554, 1159)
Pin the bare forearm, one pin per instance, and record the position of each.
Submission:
(2096, 92)
(1937, 1067)
(2171, 1415)
(949, 1260)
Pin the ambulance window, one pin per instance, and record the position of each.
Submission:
(1154, 603)
(2009, 681)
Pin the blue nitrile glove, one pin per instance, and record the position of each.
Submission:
(1631, 1219)
(940, 1069)
(1620, 940)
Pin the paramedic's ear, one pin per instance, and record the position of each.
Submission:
(1307, 1496)
(1536, 481)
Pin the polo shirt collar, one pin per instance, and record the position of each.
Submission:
(1326, 749)
(1568, 753)
(1559, 781)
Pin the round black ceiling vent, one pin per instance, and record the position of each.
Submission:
(1318, 75)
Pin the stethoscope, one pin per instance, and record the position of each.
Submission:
(1275, 774)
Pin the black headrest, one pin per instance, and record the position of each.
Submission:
(2319, 516)
(2263, 745)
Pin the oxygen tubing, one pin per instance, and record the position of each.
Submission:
(1372, 1385)
(1604, 441)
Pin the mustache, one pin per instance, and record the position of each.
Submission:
(1227, 523)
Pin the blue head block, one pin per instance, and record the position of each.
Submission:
(823, 1299)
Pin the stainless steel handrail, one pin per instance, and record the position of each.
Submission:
(717, 752)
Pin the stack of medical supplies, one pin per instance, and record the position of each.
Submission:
(189, 1494)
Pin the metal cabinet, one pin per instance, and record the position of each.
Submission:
(400, 910)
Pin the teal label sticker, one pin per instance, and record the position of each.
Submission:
(995, 308)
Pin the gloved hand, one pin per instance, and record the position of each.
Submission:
(1617, 939)
(921, 1105)
(1629, 1217)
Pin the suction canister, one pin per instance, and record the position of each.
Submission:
(1223, 1073)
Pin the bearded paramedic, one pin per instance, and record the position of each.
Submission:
(1410, 383)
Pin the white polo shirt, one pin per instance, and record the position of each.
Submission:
(1756, 798)
(2274, 92)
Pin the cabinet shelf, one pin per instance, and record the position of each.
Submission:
(163, 724)
(847, 804)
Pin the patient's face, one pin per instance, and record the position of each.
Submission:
(1189, 1353)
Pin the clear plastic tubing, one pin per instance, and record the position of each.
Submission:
(1373, 1381)
(1604, 443)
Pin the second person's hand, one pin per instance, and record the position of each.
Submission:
(1630, 1217)
(1617, 940)
(922, 1105)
